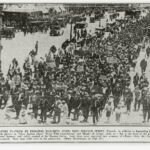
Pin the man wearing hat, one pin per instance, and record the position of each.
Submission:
(86, 102)
(148, 51)
(34, 102)
(117, 94)
(148, 105)
(44, 108)
(76, 106)
(57, 109)
(1, 99)
(94, 107)
(144, 98)
(137, 98)
(142, 80)
(23, 115)
(109, 110)
(143, 65)
(5, 97)
(70, 101)
(18, 104)
(145, 83)
(128, 95)
(136, 80)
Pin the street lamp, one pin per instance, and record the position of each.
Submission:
(71, 22)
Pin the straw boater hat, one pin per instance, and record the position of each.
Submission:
(23, 106)
(63, 102)
(57, 96)
(146, 88)
(137, 87)
(148, 93)
(86, 94)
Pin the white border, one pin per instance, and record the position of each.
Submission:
(101, 146)
(74, 1)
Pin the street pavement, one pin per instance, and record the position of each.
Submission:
(133, 118)
(19, 48)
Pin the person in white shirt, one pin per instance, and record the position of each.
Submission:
(118, 112)
(65, 112)
(23, 115)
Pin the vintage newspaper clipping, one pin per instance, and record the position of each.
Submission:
(74, 72)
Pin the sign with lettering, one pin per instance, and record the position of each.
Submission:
(102, 77)
(112, 60)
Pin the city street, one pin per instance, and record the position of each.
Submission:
(19, 48)
(134, 118)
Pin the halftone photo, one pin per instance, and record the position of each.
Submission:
(74, 64)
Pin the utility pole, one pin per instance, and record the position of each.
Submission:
(71, 22)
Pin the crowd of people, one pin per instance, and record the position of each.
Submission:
(87, 75)
(34, 27)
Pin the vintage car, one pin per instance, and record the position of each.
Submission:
(56, 31)
(92, 19)
(80, 25)
(78, 18)
(39, 25)
(133, 13)
(62, 22)
(97, 16)
(99, 31)
(8, 32)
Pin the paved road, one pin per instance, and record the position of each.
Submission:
(19, 48)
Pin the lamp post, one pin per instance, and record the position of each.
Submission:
(1, 47)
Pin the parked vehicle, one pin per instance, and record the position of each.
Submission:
(8, 32)
(92, 19)
(80, 25)
(56, 31)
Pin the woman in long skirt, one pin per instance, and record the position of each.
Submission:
(108, 109)
(23, 116)
(118, 113)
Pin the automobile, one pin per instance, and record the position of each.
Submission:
(100, 31)
(97, 16)
(38, 23)
(147, 31)
(41, 25)
(78, 18)
(80, 25)
(92, 19)
(8, 32)
(56, 31)
(62, 22)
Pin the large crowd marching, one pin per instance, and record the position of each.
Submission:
(87, 75)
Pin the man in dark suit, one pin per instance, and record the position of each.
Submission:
(143, 65)
(44, 108)
(148, 51)
(144, 102)
(136, 80)
(86, 102)
(95, 109)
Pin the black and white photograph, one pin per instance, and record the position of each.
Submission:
(74, 64)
